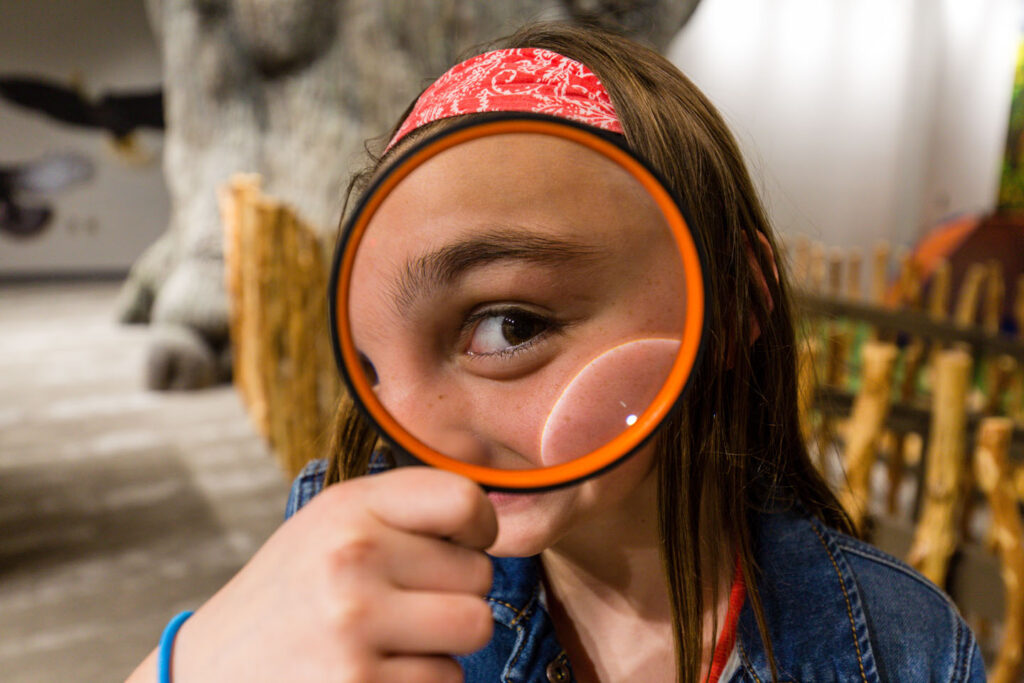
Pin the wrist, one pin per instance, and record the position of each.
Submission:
(166, 649)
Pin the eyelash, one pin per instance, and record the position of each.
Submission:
(469, 324)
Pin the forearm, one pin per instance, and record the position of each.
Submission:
(146, 671)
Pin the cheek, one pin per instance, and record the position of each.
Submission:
(512, 419)
(605, 398)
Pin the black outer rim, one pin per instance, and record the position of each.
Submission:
(477, 120)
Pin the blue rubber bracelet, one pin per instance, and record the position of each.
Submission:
(167, 645)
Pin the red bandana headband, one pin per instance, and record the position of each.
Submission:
(521, 79)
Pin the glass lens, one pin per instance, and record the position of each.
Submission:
(521, 304)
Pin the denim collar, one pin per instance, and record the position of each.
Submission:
(813, 610)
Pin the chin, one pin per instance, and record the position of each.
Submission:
(514, 545)
(522, 532)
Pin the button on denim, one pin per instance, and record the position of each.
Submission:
(837, 609)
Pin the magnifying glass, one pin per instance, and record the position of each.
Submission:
(517, 299)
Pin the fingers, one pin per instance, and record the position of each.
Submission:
(405, 567)
(419, 670)
(418, 622)
(434, 502)
(426, 563)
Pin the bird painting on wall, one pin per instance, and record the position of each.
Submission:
(119, 113)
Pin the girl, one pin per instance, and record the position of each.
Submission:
(717, 552)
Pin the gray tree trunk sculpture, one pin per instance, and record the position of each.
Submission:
(291, 89)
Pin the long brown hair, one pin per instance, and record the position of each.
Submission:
(733, 449)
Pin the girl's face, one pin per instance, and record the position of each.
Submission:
(503, 293)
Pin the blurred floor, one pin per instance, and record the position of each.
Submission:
(118, 506)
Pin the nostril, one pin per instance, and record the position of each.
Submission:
(369, 371)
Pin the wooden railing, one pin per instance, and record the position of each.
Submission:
(276, 276)
(916, 414)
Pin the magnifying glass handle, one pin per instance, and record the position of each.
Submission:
(403, 459)
(385, 457)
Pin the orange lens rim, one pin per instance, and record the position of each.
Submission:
(605, 456)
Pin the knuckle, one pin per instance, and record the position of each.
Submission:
(350, 573)
(356, 549)
(350, 615)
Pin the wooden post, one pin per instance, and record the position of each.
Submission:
(854, 286)
(835, 272)
(995, 291)
(938, 293)
(938, 309)
(802, 261)
(970, 292)
(277, 284)
(999, 373)
(880, 273)
(866, 424)
(914, 355)
(1015, 409)
(936, 534)
(991, 317)
(897, 460)
(816, 279)
(913, 359)
(992, 472)
(879, 279)
(909, 283)
(238, 210)
(835, 358)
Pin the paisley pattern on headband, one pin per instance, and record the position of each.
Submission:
(522, 79)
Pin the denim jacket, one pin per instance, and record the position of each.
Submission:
(837, 609)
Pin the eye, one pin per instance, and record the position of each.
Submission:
(505, 331)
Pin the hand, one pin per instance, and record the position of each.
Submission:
(377, 579)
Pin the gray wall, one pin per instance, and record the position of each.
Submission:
(101, 226)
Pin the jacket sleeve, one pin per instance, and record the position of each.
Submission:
(975, 672)
(917, 631)
(309, 483)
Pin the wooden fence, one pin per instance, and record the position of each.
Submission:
(914, 403)
(276, 272)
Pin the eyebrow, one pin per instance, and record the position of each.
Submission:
(444, 266)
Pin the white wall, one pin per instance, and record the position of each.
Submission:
(861, 119)
(104, 225)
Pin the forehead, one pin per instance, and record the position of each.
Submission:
(524, 181)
